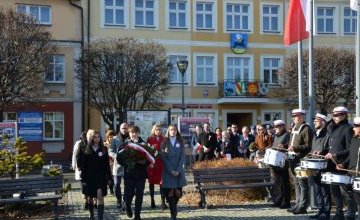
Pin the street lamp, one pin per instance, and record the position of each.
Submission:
(182, 66)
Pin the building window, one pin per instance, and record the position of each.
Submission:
(177, 14)
(238, 68)
(325, 20)
(205, 66)
(271, 18)
(350, 17)
(270, 70)
(237, 17)
(114, 11)
(53, 125)
(9, 117)
(42, 14)
(145, 13)
(56, 71)
(205, 15)
(176, 77)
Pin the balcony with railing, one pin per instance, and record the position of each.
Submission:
(256, 90)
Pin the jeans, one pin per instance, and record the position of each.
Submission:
(134, 186)
(323, 194)
(339, 199)
(117, 188)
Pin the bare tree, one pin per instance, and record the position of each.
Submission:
(25, 50)
(334, 78)
(124, 74)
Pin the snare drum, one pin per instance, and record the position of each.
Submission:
(335, 179)
(303, 173)
(356, 184)
(312, 163)
(275, 158)
(291, 155)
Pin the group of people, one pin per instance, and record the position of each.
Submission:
(335, 140)
(99, 164)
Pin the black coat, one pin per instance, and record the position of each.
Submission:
(208, 140)
(340, 136)
(95, 171)
(353, 158)
(320, 142)
(139, 171)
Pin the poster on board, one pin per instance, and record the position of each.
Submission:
(8, 131)
(186, 126)
(147, 119)
(30, 126)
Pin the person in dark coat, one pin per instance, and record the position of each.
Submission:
(352, 162)
(300, 143)
(281, 189)
(208, 140)
(320, 146)
(194, 141)
(245, 140)
(173, 176)
(218, 132)
(340, 135)
(227, 147)
(235, 140)
(134, 180)
(95, 173)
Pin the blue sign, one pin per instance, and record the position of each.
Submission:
(239, 43)
(30, 125)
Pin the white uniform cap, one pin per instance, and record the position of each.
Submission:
(279, 122)
(320, 116)
(340, 109)
(298, 111)
(357, 121)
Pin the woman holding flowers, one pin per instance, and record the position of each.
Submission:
(173, 176)
(135, 175)
(155, 173)
(95, 173)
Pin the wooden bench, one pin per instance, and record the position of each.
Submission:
(235, 178)
(35, 188)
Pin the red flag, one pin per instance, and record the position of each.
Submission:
(296, 20)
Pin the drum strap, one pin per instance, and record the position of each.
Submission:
(293, 132)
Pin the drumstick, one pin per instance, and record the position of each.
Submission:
(352, 171)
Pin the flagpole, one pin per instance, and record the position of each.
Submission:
(300, 77)
(311, 65)
(357, 70)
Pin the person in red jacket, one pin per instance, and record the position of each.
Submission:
(155, 173)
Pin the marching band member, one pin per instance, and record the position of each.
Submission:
(281, 174)
(300, 143)
(340, 134)
(352, 161)
(320, 146)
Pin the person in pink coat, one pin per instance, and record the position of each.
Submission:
(155, 173)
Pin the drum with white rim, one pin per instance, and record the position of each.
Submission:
(313, 163)
(275, 158)
(356, 184)
(336, 179)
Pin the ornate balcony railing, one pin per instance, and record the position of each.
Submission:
(243, 88)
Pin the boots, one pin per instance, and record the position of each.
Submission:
(163, 205)
(100, 211)
(152, 189)
(173, 208)
(91, 210)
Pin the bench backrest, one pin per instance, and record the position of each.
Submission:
(249, 174)
(33, 184)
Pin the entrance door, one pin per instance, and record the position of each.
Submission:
(241, 119)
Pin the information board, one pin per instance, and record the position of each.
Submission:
(147, 119)
(30, 126)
